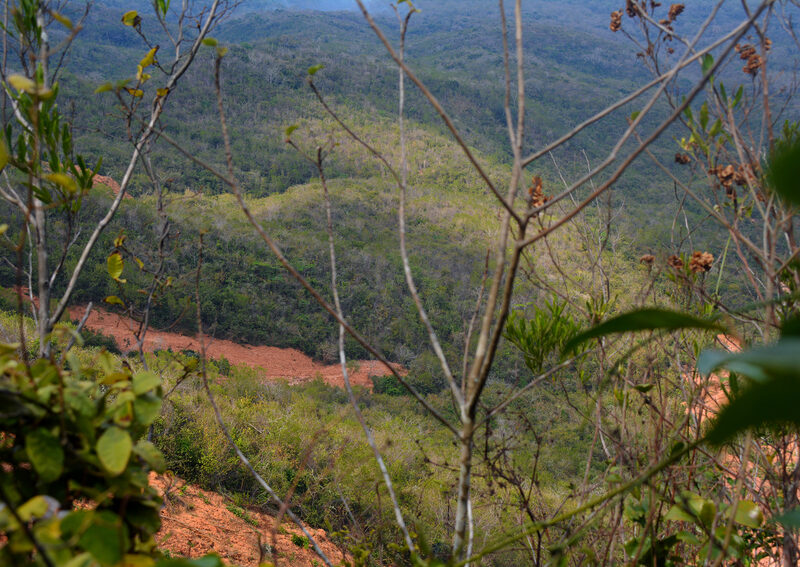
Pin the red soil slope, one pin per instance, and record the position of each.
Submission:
(277, 363)
(196, 522)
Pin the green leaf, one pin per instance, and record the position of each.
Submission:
(676, 514)
(789, 328)
(688, 537)
(738, 96)
(779, 359)
(104, 88)
(63, 180)
(770, 402)
(783, 173)
(145, 381)
(147, 408)
(708, 62)
(3, 154)
(210, 560)
(290, 129)
(210, 41)
(790, 519)
(131, 18)
(642, 320)
(150, 454)
(749, 514)
(79, 401)
(314, 68)
(36, 507)
(114, 300)
(114, 449)
(106, 538)
(45, 454)
(63, 20)
(115, 265)
(22, 83)
(635, 115)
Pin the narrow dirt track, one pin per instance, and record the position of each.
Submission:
(276, 363)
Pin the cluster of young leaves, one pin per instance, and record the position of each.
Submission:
(74, 487)
(542, 334)
(691, 520)
(42, 152)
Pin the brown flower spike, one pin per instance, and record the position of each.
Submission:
(616, 21)
(701, 262)
(536, 196)
(675, 10)
(675, 261)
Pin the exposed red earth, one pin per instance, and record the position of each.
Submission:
(195, 522)
(276, 363)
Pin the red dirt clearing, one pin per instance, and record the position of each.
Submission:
(276, 363)
(195, 522)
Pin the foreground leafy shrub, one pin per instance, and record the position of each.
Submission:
(74, 468)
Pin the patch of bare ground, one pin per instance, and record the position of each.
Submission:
(276, 363)
(195, 522)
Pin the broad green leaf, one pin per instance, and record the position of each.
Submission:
(314, 68)
(131, 18)
(3, 228)
(147, 408)
(162, 92)
(635, 115)
(114, 300)
(790, 519)
(749, 514)
(688, 537)
(106, 538)
(115, 265)
(149, 59)
(790, 327)
(36, 507)
(781, 358)
(104, 88)
(45, 454)
(64, 181)
(22, 83)
(79, 401)
(145, 381)
(289, 130)
(150, 454)
(783, 173)
(136, 93)
(114, 450)
(676, 514)
(222, 51)
(770, 402)
(210, 41)
(642, 320)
